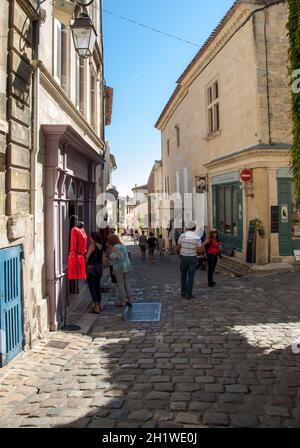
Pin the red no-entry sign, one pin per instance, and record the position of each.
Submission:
(246, 176)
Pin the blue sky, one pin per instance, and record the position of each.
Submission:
(143, 66)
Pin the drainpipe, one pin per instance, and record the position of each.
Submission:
(35, 134)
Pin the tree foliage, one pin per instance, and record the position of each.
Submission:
(294, 36)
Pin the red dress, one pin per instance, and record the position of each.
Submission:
(76, 261)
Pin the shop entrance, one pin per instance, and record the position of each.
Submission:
(228, 213)
(289, 218)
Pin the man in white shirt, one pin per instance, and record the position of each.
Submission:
(189, 246)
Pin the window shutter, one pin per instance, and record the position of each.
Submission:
(77, 82)
(58, 50)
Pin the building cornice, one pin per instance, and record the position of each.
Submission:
(66, 134)
(254, 151)
(58, 94)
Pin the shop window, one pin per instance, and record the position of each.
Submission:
(295, 218)
(213, 108)
(227, 209)
(235, 211)
(221, 210)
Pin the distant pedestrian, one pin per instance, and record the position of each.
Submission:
(152, 245)
(122, 268)
(177, 234)
(161, 245)
(108, 250)
(189, 245)
(212, 247)
(143, 244)
(95, 259)
(136, 237)
(171, 236)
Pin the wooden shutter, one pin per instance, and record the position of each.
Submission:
(58, 71)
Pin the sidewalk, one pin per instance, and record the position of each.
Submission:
(223, 359)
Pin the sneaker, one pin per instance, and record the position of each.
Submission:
(190, 297)
(183, 295)
(211, 285)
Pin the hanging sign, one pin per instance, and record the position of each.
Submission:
(246, 176)
(284, 213)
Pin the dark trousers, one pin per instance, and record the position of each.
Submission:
(143, 251)
(212, 263)
(94, 287)
(188, 267)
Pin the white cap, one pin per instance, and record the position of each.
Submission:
(191, 225)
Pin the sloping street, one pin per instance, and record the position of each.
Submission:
(223, 359)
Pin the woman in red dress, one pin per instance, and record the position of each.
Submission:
(76, 260)
(212, 246)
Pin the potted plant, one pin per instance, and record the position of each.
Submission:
(259, 227)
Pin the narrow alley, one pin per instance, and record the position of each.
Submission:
(223, 359)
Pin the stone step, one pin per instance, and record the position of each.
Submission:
(233, 266)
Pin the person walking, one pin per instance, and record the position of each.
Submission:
(152, 245)
(108, 250)
(122, 268)
(170, 236)
(95, 259)
(136, 237)
(177, 235)
(143, 244)
(212, 247)
(161, 245)
(189, 245)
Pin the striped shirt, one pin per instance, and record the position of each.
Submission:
(189, 242)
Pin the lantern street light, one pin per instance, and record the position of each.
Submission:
(84, 35)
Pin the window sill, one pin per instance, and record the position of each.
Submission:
(213, 135)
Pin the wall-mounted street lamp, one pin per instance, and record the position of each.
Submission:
(83, 31)
(84, 35)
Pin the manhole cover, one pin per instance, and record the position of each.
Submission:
(57, 344)
(143, 312)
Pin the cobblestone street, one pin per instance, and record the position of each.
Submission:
(223, 359)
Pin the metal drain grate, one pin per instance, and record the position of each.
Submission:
(58, 344)
(143, 312)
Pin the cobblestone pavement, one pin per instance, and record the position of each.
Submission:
(223, 359)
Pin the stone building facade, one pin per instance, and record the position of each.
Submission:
(231, 111)
(52, 119)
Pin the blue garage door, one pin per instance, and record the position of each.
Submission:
(11, 326)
